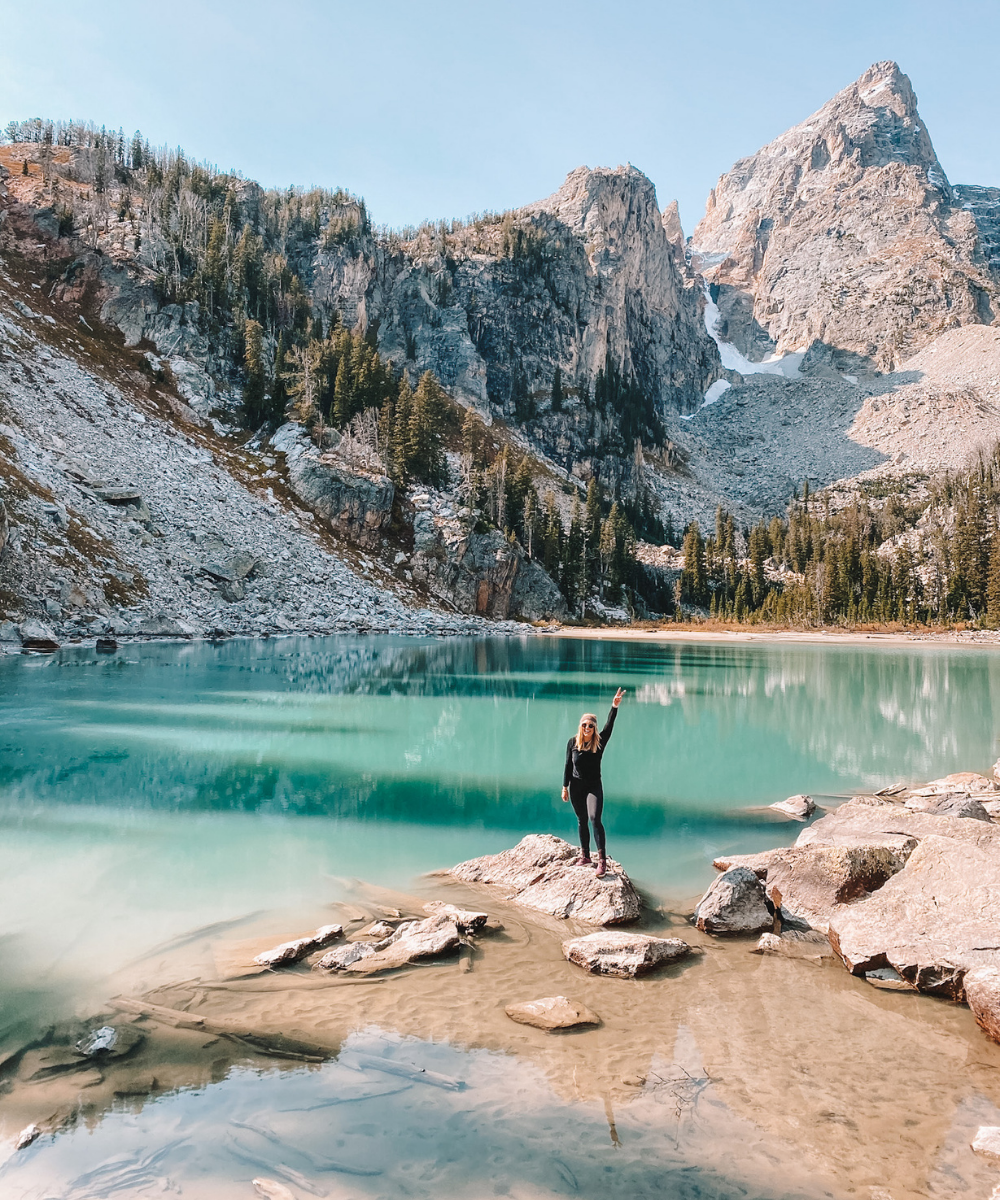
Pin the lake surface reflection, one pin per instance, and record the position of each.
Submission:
(167, 788)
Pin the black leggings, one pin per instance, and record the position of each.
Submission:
(588, 807)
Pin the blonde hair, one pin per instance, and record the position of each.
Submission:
(594, 741)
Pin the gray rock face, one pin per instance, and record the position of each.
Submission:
(735, 903)
(536, 873)
(843, 237)
(982, 994)
(4, 526)
(615, 952)
(498, 305)
(933, 921)
(357, 505)
(552, 1012)
(485, 574)
(299, 948)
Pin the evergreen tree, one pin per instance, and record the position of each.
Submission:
(557, 390)
(694, 583)
(256, 406)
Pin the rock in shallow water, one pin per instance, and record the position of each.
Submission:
(735, 903)
(933, 921)
(552, 1012)
(110, 1041)
(294, 951)
(616, 952)
(982, 994)
(799, 807)
(412, 941)
(536, 873)
(795, 943)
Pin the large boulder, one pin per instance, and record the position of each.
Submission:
(798, 807)
(982, 994)
(935, 920)
(616, 952)
(536, 874)
(864, 821)
(552, 1012)
(735, 903)
(36, 635)
(806, 882)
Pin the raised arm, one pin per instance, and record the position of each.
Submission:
(609, 726)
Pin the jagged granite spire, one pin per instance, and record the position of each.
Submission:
(844, 236)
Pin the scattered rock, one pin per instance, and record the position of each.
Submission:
(299, 948)
(934, 920)
(536, 874)
(377, 932)
(110, 1041)
(795, 943)
(553, 1012)
(616, 952)
(106, 645)
(735, 903)
(345, 956)
(4, 526)
(982, 994)
(37, 636)
(987, 1141)
(468, 922)
(162, 625)
(9, 635)
(958, 805)
(270, 1189)
(799, 807)
(28, 1134)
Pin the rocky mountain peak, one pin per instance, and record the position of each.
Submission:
(826, 239)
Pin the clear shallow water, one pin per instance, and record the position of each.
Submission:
(171, 787)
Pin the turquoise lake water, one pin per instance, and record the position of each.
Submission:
(169, 786)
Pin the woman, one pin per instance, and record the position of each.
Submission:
(582, 782)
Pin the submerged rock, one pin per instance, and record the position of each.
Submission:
(933, 921)
(294, 951)
(799, 807)
(888, 980)
(537, 874)
(466, 920)
(735, 903)
(552, 1012)
(616, 952)
(110, 1041)
(795, 943)
(345, 956)
(987, 1142)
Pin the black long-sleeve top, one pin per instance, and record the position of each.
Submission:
(583, 767)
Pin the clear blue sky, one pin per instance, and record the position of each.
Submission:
(444, 108)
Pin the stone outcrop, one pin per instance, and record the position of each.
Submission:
(616, 952)
(734, 903)
(537, 874)
(4, 526)
(844, 238)
(552, 1012)
(358, 505)
(36, 635)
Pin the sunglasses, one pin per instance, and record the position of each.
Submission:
(587, 725)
